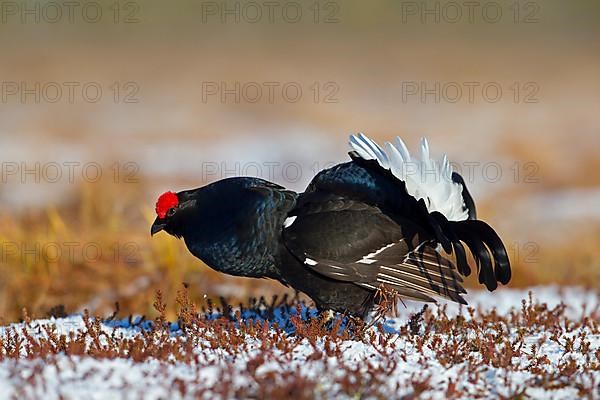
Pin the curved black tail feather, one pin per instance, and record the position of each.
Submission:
(485, 245)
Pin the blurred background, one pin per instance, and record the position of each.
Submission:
(107, 104)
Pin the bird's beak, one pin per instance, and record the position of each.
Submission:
(157, 226)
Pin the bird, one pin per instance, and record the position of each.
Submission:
(386, 220)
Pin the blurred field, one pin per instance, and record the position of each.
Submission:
(544, 205)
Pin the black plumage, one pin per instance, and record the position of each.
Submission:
(354, 229)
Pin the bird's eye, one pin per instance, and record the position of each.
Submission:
(171, 212)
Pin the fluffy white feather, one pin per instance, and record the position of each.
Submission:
(425, 178)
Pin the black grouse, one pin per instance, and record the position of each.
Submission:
(383, 220)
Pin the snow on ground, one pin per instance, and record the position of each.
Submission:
(531, 349)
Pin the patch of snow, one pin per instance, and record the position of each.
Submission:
(87, 377)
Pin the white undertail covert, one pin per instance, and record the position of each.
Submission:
(424, 178)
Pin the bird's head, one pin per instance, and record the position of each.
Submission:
(170, 211)
(166, 207)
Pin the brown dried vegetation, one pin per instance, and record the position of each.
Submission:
(277, 364)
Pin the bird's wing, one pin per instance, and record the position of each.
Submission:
(351, 241)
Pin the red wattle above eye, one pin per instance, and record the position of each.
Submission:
(165, 202)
